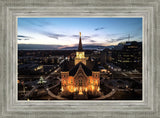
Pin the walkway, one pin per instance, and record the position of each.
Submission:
(55, 96)
(106, 96)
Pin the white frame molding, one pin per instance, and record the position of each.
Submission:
(149, 10)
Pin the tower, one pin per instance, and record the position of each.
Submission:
(96, 76)
(80, 43)
(64, 75)
(80, 55)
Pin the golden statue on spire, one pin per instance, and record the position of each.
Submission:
(79, 33)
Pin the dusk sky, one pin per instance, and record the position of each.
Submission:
(65, 31)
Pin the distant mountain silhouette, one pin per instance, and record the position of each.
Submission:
(56, 47)
(37, 47)
(60, 47)
(92, 47)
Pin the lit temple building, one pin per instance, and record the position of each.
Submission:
(80, 80)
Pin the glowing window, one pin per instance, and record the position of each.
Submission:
(80, 82)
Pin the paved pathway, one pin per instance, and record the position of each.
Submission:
(55, 85)
(106, 96)
(55, 96)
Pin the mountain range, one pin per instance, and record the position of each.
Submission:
(57, 47)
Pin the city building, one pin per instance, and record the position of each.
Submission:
(80, 80)
(129, 57)
(125, 56)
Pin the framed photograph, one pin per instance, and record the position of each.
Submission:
(54, 63)
(80, 58)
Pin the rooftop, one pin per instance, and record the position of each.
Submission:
(87, 71)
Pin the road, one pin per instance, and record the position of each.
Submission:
(52, 73)
(28, 94)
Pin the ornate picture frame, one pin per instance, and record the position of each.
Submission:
(149, 10)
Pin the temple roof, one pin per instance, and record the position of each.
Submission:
(65, 66)
(73, 71)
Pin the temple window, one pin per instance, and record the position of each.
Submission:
(80, 82)
(76, 83)
(96, 82)
(71, 89)
(71, 81)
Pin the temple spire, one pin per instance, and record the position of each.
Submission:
(80, 43)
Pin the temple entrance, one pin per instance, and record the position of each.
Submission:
(80, 95)
(80, 91)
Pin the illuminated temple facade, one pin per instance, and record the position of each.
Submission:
(80, 80)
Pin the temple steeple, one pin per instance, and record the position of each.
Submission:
(80, 43)
(80, 54)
